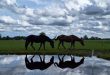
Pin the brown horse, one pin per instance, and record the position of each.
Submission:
(38, 39)
(71, 39)
(41, 65)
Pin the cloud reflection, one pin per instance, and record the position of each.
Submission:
(16, 66)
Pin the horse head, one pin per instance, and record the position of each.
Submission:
(52, 59)
(50, 40)
(82, 60)
(52, 43)
(56, 38)
(82, 42)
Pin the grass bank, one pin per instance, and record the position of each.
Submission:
(101, 48)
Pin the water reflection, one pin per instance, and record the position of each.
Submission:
(15, 65)
(69, 63)
(42, 65)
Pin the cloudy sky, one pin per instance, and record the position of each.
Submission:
(55, 17)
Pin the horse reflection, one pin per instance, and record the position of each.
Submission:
(68, 64)
(41, 65)
(71, 39)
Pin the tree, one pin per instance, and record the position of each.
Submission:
(42, 33)
(95, 38)
(85, 37)
(7, 37)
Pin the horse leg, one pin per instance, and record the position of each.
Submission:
(63, 57)
(59, 44)
(59, 58)
(72, 59)
(40, 59)
(71, 45)
(32, 45)
(32, 58)
(40, 46)
(63, 45)
(26, 44)
(43, 58)
(26, 59)
(44, 45)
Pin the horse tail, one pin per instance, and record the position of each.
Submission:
(26, 44)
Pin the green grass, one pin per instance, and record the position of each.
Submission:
(101, 48)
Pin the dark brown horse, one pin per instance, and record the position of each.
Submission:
(38, 39)
(68, 64)
(41, 65)
(71, 39)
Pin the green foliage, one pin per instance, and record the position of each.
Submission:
(42, 33)
(91, 38)
(85, 37)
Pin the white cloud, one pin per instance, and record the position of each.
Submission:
(76, 4)
(65, 16)
(29, 12)
(7, 20)
(53, 11)
(5, 3)
(23, 23)
(40, 1)
(24, 17)
(102, 3)
(19, 29)
(2, 29)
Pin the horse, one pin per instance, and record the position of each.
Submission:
(71, 39)
(38, 39)
(41, 65)
(69, 63)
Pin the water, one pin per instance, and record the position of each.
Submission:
(15, 65)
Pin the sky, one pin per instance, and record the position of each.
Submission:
(55, 17)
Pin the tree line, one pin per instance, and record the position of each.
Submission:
(91, 38)
(12, 38)
(85, 37)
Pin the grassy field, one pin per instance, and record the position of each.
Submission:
(101, 48)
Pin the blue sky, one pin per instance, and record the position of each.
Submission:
(55, 17)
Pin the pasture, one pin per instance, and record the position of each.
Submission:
(101, 48)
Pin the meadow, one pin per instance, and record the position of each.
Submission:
(101, 48)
